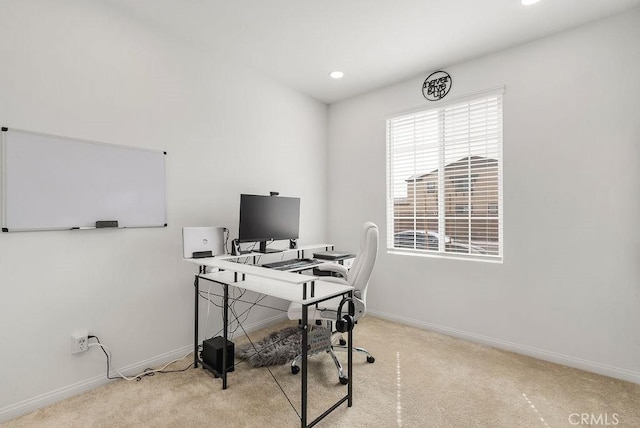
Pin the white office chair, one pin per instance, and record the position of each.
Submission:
(358, 277)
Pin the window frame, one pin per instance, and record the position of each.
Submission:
(494, 220)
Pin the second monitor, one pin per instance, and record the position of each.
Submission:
(268, 218)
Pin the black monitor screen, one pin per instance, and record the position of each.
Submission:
(265, 218)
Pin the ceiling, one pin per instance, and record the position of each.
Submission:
(374, 42)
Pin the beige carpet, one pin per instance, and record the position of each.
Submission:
(419, 379)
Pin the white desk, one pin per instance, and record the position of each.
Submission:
(303, 289)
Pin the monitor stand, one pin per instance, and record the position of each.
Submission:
(263, 248)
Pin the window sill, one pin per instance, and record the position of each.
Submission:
(450, 256)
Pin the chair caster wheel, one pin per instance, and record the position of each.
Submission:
(295, 369)
(370, 359)
(344, 380)
(342, 342)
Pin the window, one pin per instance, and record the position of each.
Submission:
(462, 209)
(444, 179)
(461, 184)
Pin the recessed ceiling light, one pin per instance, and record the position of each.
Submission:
(529, 2)
(336, 74)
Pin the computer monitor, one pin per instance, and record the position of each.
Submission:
(267, 218)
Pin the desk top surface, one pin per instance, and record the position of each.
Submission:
(259, 271)
(324, 247)
(281, 284)
(282, 290)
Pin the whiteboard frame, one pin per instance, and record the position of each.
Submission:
(3, 179)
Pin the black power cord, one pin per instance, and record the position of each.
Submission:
(107, 355)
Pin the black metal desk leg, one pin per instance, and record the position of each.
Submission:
(225, 322)
(350, 361)
(195, 327)
(305, 331)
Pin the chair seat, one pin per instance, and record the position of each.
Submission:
(327, 310)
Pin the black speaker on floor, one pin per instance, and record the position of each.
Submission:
(212, 353)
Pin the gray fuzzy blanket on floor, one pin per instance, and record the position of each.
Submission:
(277, 348)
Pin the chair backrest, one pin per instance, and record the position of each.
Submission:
(362, 266)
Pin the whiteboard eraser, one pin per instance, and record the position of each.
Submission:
(106, 223)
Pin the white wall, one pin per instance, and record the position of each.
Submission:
(84, 70)
(568, 289)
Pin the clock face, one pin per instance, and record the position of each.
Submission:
(437, 85)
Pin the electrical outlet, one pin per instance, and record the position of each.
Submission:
(79, 342)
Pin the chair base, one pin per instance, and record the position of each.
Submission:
(295, 369)
(370, 358)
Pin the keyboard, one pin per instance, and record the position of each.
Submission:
(293, 264)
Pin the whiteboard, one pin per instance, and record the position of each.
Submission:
(51, 182)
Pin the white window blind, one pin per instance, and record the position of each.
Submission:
(444, 179)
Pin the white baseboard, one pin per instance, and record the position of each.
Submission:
(17, 409)
(554, 357)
